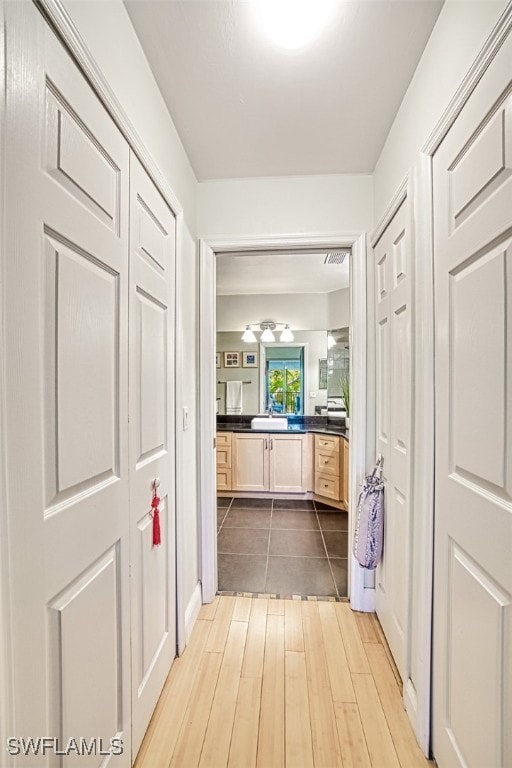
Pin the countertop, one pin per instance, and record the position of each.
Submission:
(296, 426)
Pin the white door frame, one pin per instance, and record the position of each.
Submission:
(362, 408)
(6, 691)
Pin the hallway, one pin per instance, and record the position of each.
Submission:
(281, 682)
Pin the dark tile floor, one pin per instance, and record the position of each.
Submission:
(282, 546)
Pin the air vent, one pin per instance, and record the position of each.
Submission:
(336, 257)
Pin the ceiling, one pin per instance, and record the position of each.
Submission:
(244, 107)
(300, 272)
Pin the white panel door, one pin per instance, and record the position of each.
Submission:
(472, 660)
(394, 354)
(66, 296)
(153, 568)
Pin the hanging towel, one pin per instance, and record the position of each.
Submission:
(368, 535)
(233, 397)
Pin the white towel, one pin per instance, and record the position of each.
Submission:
(233, 397)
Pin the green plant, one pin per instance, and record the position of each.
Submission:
(345, 391)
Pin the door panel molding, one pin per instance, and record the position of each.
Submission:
(477, 70)
(59, 19)
(473, 574)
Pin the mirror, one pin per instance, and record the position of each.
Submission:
(307, 291)
(338, 368)
(273, 373)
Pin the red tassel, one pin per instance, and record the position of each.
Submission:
(157, 538)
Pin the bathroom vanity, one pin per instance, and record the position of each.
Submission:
(308, 458)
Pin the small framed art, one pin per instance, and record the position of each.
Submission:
(250, 359)
(231, 359)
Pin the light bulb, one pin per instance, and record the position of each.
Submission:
(291, 24)
(286, 334)
(331, 341)
(248, 336)
(267, 335)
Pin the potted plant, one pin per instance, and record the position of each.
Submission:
(345, 392)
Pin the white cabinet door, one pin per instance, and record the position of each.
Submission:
(286, 463)
(393, 416)
(66, 297)
(250, 462)
(153, 568)
(472, 661)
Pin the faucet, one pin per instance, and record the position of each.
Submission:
(270, 410)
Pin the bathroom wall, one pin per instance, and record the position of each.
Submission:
(230, 341)
(459, 33)
(303, 311)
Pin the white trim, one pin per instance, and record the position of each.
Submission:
(361, 595)
(394, 205)
(181, 640)
(207, 422)
(59, 19)
(6, 660)
(361, 588)
(417, 697)
(484, 58)
(192, 611)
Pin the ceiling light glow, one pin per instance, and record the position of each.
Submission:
(291, 24)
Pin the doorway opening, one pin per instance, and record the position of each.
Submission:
(210, 376)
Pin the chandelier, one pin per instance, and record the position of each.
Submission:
(267, 328)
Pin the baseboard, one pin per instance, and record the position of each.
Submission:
(192, 611)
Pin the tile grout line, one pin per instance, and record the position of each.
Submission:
(268, 546)
(326, 552)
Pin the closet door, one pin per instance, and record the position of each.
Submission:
(153, 568)
(472, 661)
(66, 316)
(394, 354)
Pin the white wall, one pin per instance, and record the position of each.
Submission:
(460, 32)
(338, 308)
(188, 291)
(291, 205)
(302, 311)
(231, 342)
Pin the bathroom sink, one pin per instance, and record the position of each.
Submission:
(269, 422)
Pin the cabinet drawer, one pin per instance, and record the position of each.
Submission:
(328, 486)
(224, 479)
(223, 455)
(327, 463)
(326, 443)
(224, 438)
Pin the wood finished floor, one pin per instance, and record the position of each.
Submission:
(272, 683)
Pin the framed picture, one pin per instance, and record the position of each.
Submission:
(322, 373)
(217, 359)
(250, 359)
(231, 359)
